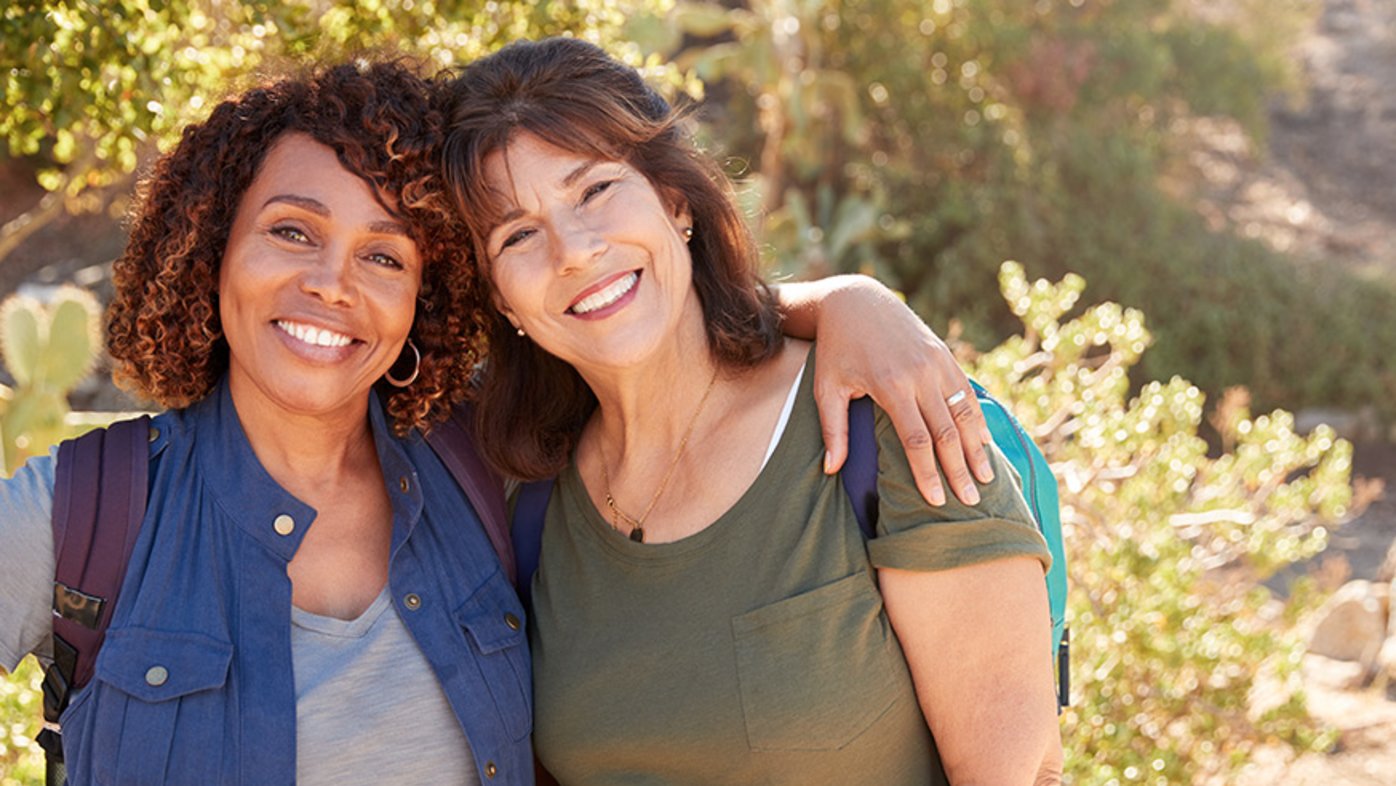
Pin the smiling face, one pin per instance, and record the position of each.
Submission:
(318, 284)
(589, 260)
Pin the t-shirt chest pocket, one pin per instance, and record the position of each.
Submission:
(815, 670)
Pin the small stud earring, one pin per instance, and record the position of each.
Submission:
(687, 234)
(521, 332)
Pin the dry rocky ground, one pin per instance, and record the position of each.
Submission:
(1324, 191)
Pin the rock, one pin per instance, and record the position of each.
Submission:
(1333, 674)
(1386, 662)
(1390, 593)
(1359, 426)
(1352, 625)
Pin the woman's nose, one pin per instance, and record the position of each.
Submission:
(579, 246)
(330, 277)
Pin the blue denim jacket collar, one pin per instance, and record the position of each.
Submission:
(253, 498)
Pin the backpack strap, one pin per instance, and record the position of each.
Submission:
(455, 446)
(859, 472)
(530, 506)
(99, 497)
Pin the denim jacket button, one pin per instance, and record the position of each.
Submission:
(490, 769)
(284, 525)
(412, 601)
(511, 621)
(155, 676)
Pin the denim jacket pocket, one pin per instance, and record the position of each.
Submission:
(156, 666)
(155, 710)
(815, 670)
(493, 621)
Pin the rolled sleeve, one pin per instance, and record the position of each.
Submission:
(914, 535)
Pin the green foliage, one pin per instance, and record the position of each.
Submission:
(21, 708)
(48, 347)
(1182, 664)
(90, 87)
(927, 141)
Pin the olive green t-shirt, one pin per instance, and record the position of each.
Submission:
(755, 651)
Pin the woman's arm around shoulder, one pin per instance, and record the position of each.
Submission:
(26, 560)
(871, 343)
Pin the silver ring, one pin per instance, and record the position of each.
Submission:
(956, 398)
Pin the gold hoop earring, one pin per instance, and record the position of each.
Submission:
(416, 368)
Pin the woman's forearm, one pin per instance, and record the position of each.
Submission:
(976, 640)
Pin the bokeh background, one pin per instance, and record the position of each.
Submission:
(1196, 197)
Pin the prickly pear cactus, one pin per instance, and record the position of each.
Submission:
(49, 345)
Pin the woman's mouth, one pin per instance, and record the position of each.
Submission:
(312, 335)
(608, 295)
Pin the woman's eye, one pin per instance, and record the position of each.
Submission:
(287, 232)
(386, 260)
(596, 188)
(515, 238)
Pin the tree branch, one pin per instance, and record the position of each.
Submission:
(18, 229)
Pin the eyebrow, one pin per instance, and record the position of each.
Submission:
(576, 174)
(305, 203)
(567, 182)
(318, 208)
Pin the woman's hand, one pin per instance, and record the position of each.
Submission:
(871, 343)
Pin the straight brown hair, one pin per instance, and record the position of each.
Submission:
(572, 95)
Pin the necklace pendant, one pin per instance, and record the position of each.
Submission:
(637, 535)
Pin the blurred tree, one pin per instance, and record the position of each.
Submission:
(89, 86)
(925, 142)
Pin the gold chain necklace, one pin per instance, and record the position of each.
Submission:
(637, 525)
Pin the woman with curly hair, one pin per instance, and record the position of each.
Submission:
(311, 595)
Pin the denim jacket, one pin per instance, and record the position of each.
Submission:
(194, 683)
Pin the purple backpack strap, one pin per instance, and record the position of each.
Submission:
(99, 496)
(859, 472)
(455, 446)
(530, 505)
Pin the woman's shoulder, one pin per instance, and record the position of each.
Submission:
(26, 557)
(29, 489)
(775, 377)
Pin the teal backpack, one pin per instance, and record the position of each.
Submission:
(859, 475)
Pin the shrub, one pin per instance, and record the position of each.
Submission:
(1050, 131)
(21, 705)
(1173, 638)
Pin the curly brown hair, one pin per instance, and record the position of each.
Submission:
(163, 327)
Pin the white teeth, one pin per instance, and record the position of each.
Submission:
(606, 296)
(310, 334)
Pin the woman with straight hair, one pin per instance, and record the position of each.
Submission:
(706, 609)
